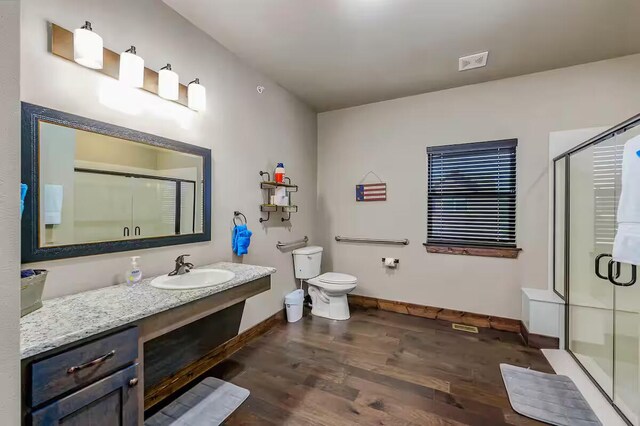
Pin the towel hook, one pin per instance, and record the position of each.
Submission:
(236, 214)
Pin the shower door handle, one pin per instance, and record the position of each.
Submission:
(634, 274)
(597, 267)
(598, 257)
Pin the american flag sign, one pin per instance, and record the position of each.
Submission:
(371, 192)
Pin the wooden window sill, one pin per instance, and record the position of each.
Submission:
(502, 252)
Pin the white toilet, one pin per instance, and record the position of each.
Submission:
(328, 291)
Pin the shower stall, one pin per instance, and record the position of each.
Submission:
(602, 299)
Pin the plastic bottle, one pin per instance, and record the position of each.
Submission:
(134, 274)
(278, 175)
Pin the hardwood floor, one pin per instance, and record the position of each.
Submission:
(377, 368)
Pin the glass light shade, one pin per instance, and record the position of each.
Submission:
(131, 69)
(197, 97)
(87, 48)
(168, 84)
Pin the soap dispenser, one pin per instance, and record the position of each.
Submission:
(134, 274)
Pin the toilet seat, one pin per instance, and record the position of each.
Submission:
(337, 278)
(334, 282)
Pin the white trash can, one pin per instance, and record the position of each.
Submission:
(294, 302)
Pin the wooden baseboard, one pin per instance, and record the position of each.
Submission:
(539, 341)
(194, 370)
(432, 312)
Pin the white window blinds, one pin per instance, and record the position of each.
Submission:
(472, 194)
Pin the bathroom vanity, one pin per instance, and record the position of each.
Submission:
(103, 356)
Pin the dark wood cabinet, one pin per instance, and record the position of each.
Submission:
(82, 365)
(111, 401)
(94, 383)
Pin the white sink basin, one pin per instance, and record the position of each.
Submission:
(196, 278)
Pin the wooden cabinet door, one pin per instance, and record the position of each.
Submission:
(111, 401)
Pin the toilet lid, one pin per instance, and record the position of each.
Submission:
(337, 278)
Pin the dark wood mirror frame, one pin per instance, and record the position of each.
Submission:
(31, 250)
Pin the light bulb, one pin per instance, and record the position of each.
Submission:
(197, 96)
(168, 83)
(131, 68)
(87, 47)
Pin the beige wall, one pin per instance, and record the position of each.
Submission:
(9, 212)
(246, 131)
(97, 148)
(391, 138)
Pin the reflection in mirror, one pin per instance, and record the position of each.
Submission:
(99, 188)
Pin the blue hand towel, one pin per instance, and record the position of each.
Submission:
(23, 193)
(241, 239)
(244, 240)
(238, 229)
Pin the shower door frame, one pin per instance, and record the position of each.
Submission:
(614, 131)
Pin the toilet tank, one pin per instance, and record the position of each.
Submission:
(306, 262)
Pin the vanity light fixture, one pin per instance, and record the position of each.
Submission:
(131, 68)
(197, 95)
(87, 47)
(168, 83)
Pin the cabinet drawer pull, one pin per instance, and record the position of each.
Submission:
(133, 382)
(96, 361)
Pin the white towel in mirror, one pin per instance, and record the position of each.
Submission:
(626, 247)
(53, 204)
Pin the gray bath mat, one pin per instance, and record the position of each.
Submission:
(547, 397)
(208, 403)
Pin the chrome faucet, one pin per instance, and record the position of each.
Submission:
(182, 267)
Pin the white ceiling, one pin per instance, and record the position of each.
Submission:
(340, 53)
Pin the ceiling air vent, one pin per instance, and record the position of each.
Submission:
(470, 62)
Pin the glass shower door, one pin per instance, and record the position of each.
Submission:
(591, 205)
(626, 351)
(603, 317)
(602, 296)
(102, 208)
(154, 207)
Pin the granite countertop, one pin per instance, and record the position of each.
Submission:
(71, 318)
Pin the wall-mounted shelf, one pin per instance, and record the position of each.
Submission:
(274, 185)
(270, 186)
(268, 208)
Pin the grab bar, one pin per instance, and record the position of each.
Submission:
(404, 242)
(280, 245)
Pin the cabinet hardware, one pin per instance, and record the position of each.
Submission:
(96, 361)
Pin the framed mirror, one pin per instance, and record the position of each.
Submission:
(98, 188)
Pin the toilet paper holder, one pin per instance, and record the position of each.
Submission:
(396, 261)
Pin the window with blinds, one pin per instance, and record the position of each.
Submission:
(607, 173)
(472, 194)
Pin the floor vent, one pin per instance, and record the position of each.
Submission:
(467, 328)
